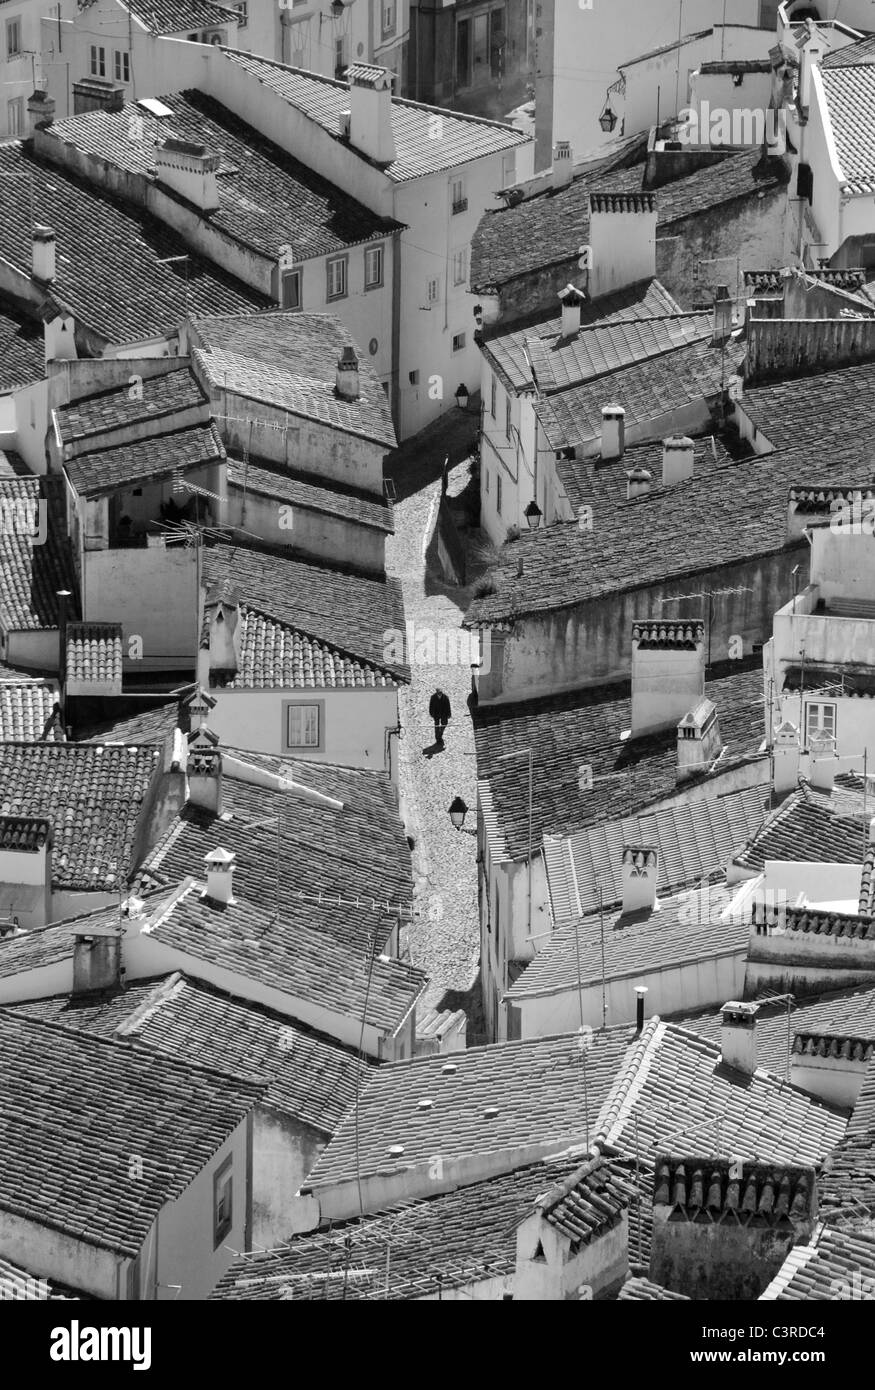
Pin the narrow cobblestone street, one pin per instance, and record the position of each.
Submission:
(444, 939)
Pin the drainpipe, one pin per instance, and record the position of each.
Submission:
(63, 596)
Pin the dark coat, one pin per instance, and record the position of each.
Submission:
(439, 708)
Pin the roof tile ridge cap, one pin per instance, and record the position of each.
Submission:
(564, 1188)
(181, 891)
(163, 992)
(796, 1260)
(628, 1083)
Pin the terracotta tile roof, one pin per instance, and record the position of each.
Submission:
(850, 95)
(174, 16)
(360, 851)
(45, 946)
(551, 226)
(589, 1202)
(344, 611)
(718, 519)
(275, 656)
(838, 1263)
(25, 705)
(806, 830)
(365, 510)
(639, 1289)
(836, 1014)
(289, 360)
(310, 954)
(418, 152)
(603, 483)
(31, 575)
(156, 456)
(827, 1045)
(733, 65)
(115, 410)
(638, 945)
(862, 1121)
(308, 1077)
(673, 1092)
(153, 725)
(852, 55)
(22, 349)
(585, 727)
(18, 1284)
(772, 281)
(107, 255)
(94, 652)
(829, 406)
(606, 348)
(75, 1108)
(847, 1183)
(813, 920)
(93, 795)
(763, 1194)
(409, 1252)
(507, 348)
(267, 199)
(693, 839)
(646, 390)
(494, 1100)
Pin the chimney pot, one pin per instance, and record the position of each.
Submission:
(613, 431)
(640, 991)
(205, 779)
(822, 758)
(571, 299)
(347, 385)
(220, 875)
(738, 1036)
(43, 254)
(41, 109)
(722, 321)
(678, 459)
(640, 874)
(190, 170)
(638, 481)
(563, 164)
(698, 740)
(370, 112)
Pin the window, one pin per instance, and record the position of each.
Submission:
(460, 266)
(98, 61)
(458, 342)
(13, 38)
(804, 181)
(15, 116)
(337, 278)
(507, 414)
(304, 725)
(340, 57)
(223, 1183)
(498, 510)
(122, 63)
(414, 378)
(243, 12)
(460, 202)
(492, 396)
(388, 18)
(819, 718)
(291, 288)
(432, 290)
(373, 267)
(508, 170)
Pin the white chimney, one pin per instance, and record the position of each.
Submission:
(698, 742)
(347, 379)
(41, 110)
(668, 672)
(813, 48)
(678, 459)
(738, 1036)
(639, 874)
(26, 869)
(563, 164)
(190, 171)
(43, 254)
(223, 618)
(613, 431)
(571, 300)
(722, 317)
(370, 112)
(220, 876)
(822, 760)
(205, 779)
(785, 753)
(638, 481)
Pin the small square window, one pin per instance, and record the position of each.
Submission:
(303, 726)
(373, 267)
(223, 1206)
(388, 18)
(819, 719)
(414, 378)
(337, 278)
(458, 341)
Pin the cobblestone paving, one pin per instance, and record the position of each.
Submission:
(444, 939)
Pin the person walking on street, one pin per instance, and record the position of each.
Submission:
(440, 712)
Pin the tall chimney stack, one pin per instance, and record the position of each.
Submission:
(613, 431)
(722, 322)
(563, 164)
(220, 876)
(571, 299)
(639, 874)
(370, 112)
(43, 254)
(347, 382)
(678, 459)
(640, 991)
(738, 1036)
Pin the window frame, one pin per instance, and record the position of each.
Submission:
(378, 251)
(121, 64)
(460, 342)
(332, 261)
(14, 24)
(97, 60)
(295, 272)
(15, 104)
(819, 705)
(459, 204)
(389, 30)
(460, 257)
(303, 748)
(223, 1182)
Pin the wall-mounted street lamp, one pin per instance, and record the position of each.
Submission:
(608, 119)
(457, 812)
(462, 396)
(533, 515)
